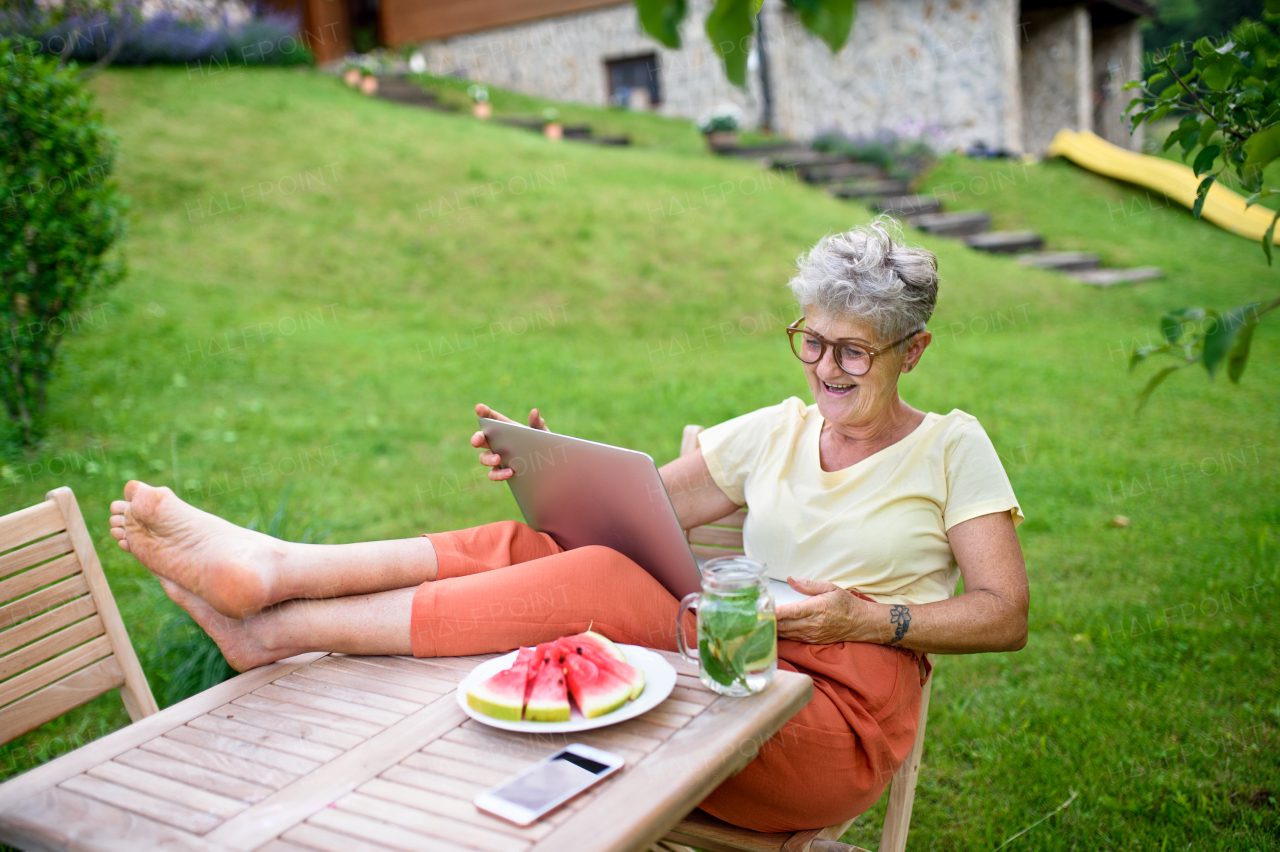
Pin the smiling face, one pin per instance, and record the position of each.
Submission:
(856, 400)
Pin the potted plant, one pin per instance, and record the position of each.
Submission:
(369, 84)
(720, 126)
(551, 126)
(480, 106)
(352, 73)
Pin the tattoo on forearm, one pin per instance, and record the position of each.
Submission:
(901, 616)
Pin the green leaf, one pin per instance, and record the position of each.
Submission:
(1172, 323)
(760, 647)
(1220, 338)
(1238, 357)
(829, 20)
(1202, 192)
(1177, 136)
(730, 27)
(1216, 74)
(1205, 159)
(661, 19)
(712, 665)
(1206, 132)
(1262, 147)
(1153, 384)
(1273, 7)
(1269, 237)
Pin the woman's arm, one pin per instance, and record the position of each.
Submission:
(991, 614)
(694, 494)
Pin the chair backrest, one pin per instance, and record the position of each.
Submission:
(62, 642)
(723, 538)
(718, 538)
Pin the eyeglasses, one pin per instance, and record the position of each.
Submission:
(852, 356)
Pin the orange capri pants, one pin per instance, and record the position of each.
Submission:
(504, 585)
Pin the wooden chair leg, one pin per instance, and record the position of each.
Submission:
(902, 790)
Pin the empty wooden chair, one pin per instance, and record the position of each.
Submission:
(724, 538)
(61, 637)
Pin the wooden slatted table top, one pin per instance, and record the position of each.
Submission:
(327, 753)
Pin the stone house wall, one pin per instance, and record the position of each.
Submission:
(1056, 71)
(958, 72)
(909, 63)
(1117, 59)
(564, 58)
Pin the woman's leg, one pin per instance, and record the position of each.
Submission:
(375, 624)
(497, 610)
(833, 759)
(239, 572)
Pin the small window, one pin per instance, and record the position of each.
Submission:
(634, 72)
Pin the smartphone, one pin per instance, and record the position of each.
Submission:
(549, 783)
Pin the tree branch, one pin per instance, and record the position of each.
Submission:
(1203, 108)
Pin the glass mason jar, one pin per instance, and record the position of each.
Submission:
(737, 651)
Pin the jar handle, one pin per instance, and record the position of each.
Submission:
(690, 601)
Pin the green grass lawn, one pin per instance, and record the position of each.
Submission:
(320, 347)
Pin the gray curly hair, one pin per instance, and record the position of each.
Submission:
(869, 273)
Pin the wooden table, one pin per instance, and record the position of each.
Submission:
(367, 754)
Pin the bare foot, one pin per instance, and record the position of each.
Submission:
(233, 569)
(235, 638)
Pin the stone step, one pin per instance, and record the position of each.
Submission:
(1005, 242)
(868, 188)
(908, 205)
(1063, 261)
(577, 131)
(526, 122)
(841, 172)
(403, 91)
(1111, 277)
(764, 149)
(608, 140)
(964, 224)
(795, 159)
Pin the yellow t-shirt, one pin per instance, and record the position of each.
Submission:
(879, 526)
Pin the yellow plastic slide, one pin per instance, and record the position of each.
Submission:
(1223, 207)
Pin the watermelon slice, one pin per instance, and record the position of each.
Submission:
(596, 690)
(584, 647)
(607, 647)
(502, 696)
(548, 698)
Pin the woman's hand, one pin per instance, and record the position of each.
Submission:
(488, 457)
(831, 615)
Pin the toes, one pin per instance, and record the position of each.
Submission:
(117, 533)
(117, 521)
(130, 489)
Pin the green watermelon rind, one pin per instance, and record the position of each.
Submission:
(537, 709)
(605, 644)
(601, 702)
(498, 705)
(484, 701)
(636, 681)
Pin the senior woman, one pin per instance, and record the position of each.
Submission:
(870, 507)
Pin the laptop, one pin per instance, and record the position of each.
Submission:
(584, 493)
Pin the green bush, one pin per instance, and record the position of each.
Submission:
(60, 214)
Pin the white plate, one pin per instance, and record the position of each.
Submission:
(659, 680)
